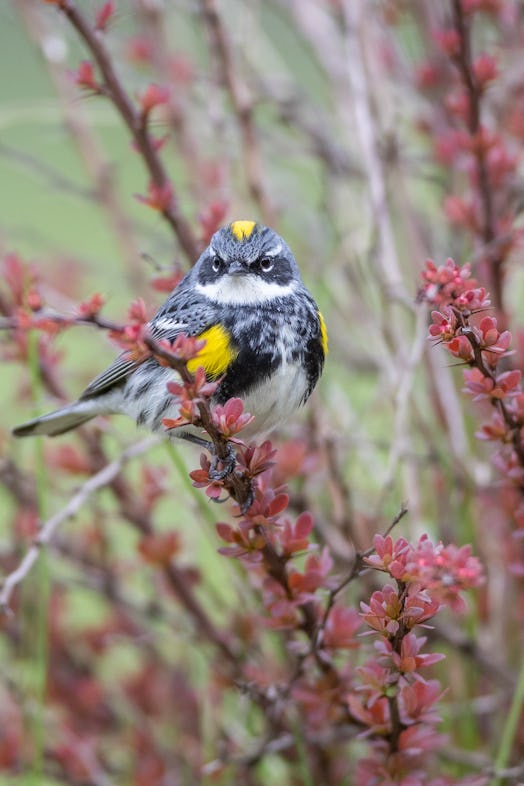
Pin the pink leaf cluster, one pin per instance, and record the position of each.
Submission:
(393, 698)
(479, 343)
(189, 396)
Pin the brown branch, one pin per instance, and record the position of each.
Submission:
(102, 478)
(153, 23)
(20, 485)
(243, 109)
(396, 642)
(513, 423)
(238, 485)
(463, 62)
(98, 167)
(356, 568)
(135, 122)
(132, 510)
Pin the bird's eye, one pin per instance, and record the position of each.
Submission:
(266, 264)
(216, 264)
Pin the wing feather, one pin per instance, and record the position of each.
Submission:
(112, 376)
(122, 366)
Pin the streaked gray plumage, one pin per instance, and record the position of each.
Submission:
(248, 282)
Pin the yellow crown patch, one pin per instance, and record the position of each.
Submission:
(243, 230)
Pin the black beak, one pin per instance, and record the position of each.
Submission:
(237, 268)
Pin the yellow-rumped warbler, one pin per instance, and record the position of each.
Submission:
(265, 340)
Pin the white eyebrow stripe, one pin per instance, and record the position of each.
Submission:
(273, 252)
(244, 290)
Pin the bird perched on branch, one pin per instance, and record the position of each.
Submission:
(265, 341)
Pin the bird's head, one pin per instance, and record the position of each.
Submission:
(246, 263)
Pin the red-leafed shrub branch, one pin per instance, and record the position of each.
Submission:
(158, 639)
(299, 594)
(464, 327)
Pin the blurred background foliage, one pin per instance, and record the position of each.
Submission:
(387, 423)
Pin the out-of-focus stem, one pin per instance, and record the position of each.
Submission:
(243, 109)
(135, 122)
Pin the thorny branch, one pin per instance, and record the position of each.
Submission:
(356, 568)
(133, 511)
(479, 362)
(136, 122)
(243, 109)
(237, 484)
(102, 478)
(464, 63)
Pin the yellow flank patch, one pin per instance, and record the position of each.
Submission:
(243, 230)
(216, 355)
(323, 334)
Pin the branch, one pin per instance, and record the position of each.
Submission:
(102, 478)
(243, 109)
(513, 422)
(357, 566)
(353, 12)
(463, 62)
(239, 486)
(136, 122)
(132, 510)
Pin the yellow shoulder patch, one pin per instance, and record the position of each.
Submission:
(217, 354)
(243, 230)
(323, 334)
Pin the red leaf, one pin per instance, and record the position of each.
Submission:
(85, 76)
(303, 525)
(159, 197)
(160, 548)
(137, 311)
(155, 95)
(225, 531)
(213, 491)
(104, 15)
(233, 408)
(277, 505)
(91, 307)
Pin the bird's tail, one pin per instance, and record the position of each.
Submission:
(55, 423)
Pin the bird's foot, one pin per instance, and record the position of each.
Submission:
(228, 463)
(250, 498)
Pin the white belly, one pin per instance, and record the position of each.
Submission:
(275, 400)
(272, 402)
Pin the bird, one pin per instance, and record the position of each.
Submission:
(265, 341)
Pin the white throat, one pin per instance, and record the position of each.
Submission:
(244, 290)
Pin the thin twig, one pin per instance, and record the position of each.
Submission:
(355, 571)
(353, 12)
(101, 479)
(243, 109)
(135, 122)
(464, 63)
(99, 168)
(238, 485)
